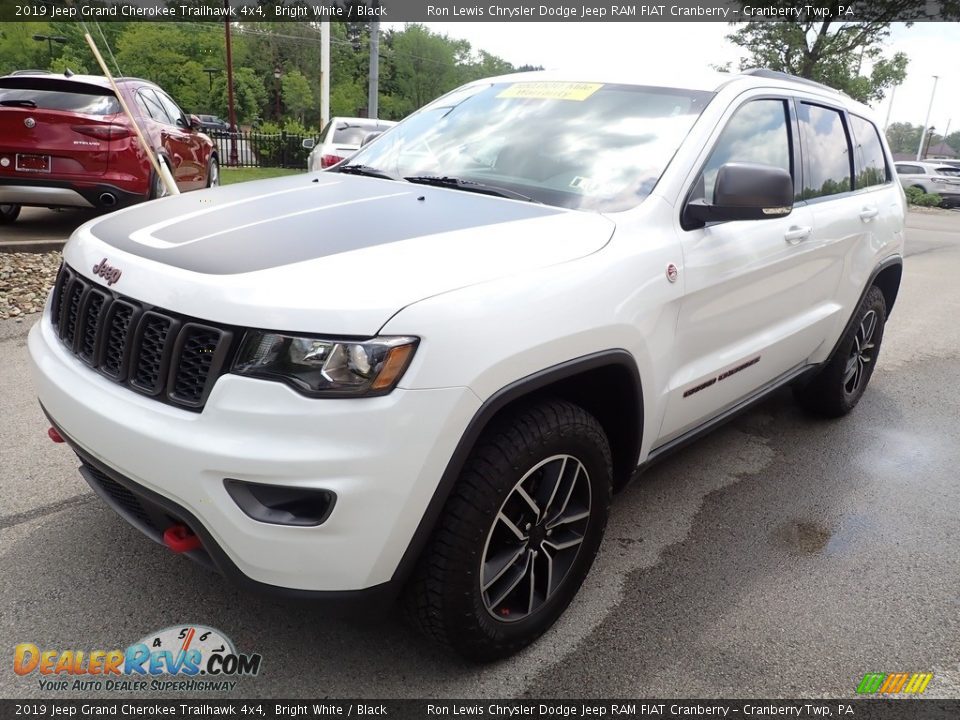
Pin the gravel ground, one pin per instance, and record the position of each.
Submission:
(25, 282)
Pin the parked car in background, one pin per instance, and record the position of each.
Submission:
(932, 177)
(340, 139)
(66, 142)
(214, 124)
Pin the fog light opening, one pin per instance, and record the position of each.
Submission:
(280, 504)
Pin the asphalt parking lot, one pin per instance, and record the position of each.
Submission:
(779, 557)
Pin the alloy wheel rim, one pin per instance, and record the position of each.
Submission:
(214, 175)
(861, 354)
(535, 538)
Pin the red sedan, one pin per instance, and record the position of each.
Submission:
(66, 142)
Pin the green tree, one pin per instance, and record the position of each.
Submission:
(249, 95)
(903, 137)
(296, 93)
(832, 51)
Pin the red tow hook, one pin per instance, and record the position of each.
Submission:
(181, 539)
(54, 435)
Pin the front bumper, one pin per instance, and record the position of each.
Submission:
(382, 457)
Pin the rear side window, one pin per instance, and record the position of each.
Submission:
(758, 132)
(352, 134)
(86, 103)
(826, 151)
(871, 163)
(909, 170)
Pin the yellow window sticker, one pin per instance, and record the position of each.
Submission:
(551, 90)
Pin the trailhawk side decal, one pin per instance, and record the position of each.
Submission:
(265, 225)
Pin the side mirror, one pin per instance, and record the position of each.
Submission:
(370, 136)
(308, 143)
(743, 191)
(195, 123)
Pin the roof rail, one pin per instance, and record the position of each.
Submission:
(777, 75)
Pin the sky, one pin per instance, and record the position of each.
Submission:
(931, 47)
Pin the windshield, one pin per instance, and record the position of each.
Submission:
(574, 145)
(948, 170)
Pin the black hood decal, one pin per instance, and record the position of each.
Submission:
(261, 225)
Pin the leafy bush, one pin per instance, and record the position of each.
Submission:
(916, 196)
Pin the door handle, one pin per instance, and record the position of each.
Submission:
(868, 213)
(797, 233)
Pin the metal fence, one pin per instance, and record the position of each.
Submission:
(254, 149)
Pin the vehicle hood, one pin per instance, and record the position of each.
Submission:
(323, 252)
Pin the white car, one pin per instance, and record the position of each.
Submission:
(341, 138)
(932, 177)
(423, 374)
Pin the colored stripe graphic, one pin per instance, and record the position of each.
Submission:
(893, 683)
(871, 683)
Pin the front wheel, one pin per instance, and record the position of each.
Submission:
(9, 213)
(213, 173)
(838, 387)
(518, 533)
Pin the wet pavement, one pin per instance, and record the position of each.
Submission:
(779, 556)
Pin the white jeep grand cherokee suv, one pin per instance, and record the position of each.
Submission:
(424, 372)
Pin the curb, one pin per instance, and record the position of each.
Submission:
(31, 246)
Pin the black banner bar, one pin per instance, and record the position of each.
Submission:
(475, 10)
(859, 709)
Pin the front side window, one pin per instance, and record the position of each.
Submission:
(576, 145)
(173, 111)
(759, 132)
(826, 151)
(871, 162)
(148, 101)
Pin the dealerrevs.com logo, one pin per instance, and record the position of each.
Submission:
(186, 658)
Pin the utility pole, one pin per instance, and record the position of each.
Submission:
(893, 94)
(926, 122)
(324, 73)
(373, 91)
(234, 159)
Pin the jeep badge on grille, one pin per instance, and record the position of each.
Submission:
(107, 271)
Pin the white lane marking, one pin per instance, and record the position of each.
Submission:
(145, 236)
(289, 215)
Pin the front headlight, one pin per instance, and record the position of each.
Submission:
(326, 367)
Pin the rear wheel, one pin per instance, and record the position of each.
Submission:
(158, 188)
(9, 213)
(518, 534)
(838, 387)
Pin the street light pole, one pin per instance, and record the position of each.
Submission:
(926, 122)
(51, 39)
(277, 73)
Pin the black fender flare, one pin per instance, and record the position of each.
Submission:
(516, 390)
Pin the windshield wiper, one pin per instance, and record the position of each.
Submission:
(18, 103)
(366, 171)
(469, 186)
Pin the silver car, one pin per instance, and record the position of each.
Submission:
(932, 177)
(341, 138)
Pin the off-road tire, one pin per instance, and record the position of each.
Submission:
(832, 392)
(444, 598)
